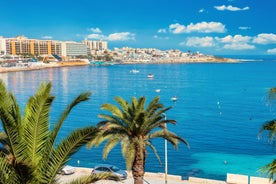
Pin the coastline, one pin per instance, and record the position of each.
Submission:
(40, 66)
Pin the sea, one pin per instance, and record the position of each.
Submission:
(220, 109)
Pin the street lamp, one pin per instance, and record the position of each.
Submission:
(166, 154)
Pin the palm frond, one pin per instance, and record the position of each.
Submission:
(272, 94)
(269, 169)
(36, 123)
(7, 173)
(54, 133)
(66, 149)
(141, 103)
(128, 151)
(111, 120)
(270, 128)
(11, 119)
(99, 138)
(113, 109)
(123, 104)
(93, 178)
(170, 136)
(154, 151)
(111, 143)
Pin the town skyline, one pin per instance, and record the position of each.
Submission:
(228, 27)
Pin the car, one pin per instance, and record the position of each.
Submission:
(67, 169)
(108, 168)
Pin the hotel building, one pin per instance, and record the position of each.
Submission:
(72, 49)
(95, 45)
(22, 45)
(2, 46)
(65, 49)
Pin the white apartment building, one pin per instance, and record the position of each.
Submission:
(2, 45)
(95, 45)
(72, 49)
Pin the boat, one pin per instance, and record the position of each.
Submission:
(157, 90)
(134, 71)
(150, 76)
(174, 98)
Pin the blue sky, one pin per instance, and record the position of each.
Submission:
(218, 27)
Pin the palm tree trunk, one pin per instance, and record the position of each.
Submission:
(138, 168)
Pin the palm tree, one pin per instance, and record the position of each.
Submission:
(133, 125)
(270, 128)
(29, 150)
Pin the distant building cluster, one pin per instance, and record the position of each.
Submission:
(145, 55)
(21, 45)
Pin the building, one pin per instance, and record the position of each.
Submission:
(95, 45)
(2, 46)
(73, 49)
(22, 45)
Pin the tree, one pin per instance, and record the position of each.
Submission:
(270, 128)
(29, 149)
(134, 125)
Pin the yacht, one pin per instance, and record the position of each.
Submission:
(174, 98)
(150, 76)
(134, 71)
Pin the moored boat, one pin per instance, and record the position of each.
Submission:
(150, 76)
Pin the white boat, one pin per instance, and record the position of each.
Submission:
(174, 99)
(157, 90)
(150, 76)
(134, 71)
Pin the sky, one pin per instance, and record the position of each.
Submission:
(217, 27)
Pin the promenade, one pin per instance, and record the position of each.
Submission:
(150, 178)
(159, 178)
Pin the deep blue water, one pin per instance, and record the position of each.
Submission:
(220, 109)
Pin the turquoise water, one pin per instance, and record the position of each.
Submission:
(219, 111)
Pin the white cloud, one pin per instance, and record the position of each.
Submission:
(271, 51)
(199, 42)
(96, 36)
(237, 42)
(235, 39)
(230, 8)
(239, 46)
(96, 30)
(202, 27)
(265, 38)
(47, 37)
(161, 38)
(206, 27)
(177, 28)
(244, 28)
(123, 36)
(161, 31)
